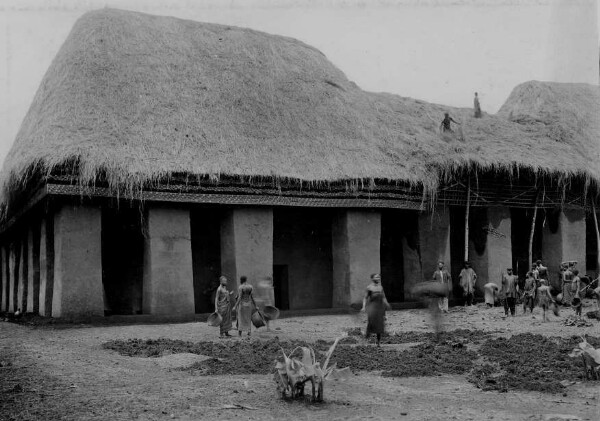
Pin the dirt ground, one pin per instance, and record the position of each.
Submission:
(64, 372)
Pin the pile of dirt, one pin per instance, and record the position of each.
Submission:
(427, 359)
(258, 357)
(464, 335)
(528, 362)
(521, 362)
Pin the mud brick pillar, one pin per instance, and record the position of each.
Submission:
(46, 265)
(413, 272)
(434, 241)
(5, 282)
(77, 262)
(564, 238)
(13, 263)
(168, 286)
(33, 270)
(247, 250)
(22, 285)
(490, 245)
(356, 237)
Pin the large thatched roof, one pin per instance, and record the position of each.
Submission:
(139, 97)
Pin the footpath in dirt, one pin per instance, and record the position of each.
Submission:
(482, 367)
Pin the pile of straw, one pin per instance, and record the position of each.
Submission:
(139, 97)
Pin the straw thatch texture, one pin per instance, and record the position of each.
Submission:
(139, 97)
(566, 114)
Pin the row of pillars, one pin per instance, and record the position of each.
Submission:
(56, 268)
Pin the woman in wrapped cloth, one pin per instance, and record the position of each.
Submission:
(576, 293)
(244, 305)
(490, 292)
(223, 306)
(544, 298)
(375, 304)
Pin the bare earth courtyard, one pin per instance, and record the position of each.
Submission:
(65, 372)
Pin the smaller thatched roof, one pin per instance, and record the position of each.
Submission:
(137, 98)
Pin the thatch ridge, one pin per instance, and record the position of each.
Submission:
(138, 97)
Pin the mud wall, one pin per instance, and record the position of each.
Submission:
(490, 245)
(356, 241)
(564, 238)
(77, 262)
(168, 280)
(247, 250)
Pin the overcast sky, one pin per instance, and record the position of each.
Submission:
(437, 50)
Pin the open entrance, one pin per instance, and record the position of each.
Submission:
(281, 287)
(122, 260)
(206, 256)
(520, 233)
(591, 246)
(302, 258)
(399, 239)
(457, 246)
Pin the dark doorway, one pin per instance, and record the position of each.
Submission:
(206, 257)
(457, 246)
(394, 227)
(280, 284)
(520, 231)
(591, 246)
(122, 260)
(302, 241)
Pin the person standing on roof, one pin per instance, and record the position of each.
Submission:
(477, 106)
(445, 125)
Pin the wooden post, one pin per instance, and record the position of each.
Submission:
(530, 249)
(597, 236)
(467, 220)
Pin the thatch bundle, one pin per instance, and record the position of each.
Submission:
(138, 97)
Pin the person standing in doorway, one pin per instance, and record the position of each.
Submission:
(468, 277)
(244, 306)
(375, 304)
(443, 276)
(509, 291)
(223, 306)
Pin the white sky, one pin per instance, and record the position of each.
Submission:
(437, 50)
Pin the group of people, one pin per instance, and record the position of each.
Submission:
(446, 126)
(535, 290)
(243, 306)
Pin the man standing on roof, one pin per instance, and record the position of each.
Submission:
(445, 124)
(477, 106)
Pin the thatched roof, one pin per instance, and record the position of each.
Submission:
(139, 97)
